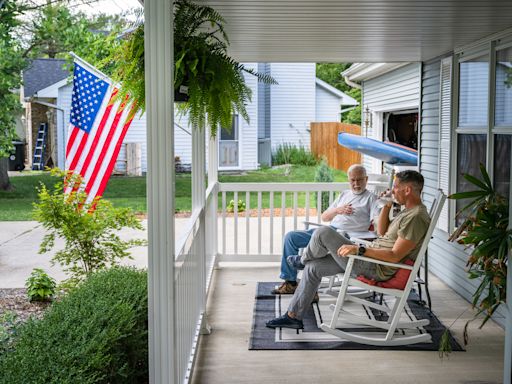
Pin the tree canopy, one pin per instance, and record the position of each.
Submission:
(331, 73)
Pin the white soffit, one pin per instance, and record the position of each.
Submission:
(356, 30)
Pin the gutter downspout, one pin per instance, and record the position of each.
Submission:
(351, 83)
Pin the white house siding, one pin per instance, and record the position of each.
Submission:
(293, 106)
(393, 91)
(63, 102)
(248, 131)
(327, 105)
(136, 134)
(447, 260)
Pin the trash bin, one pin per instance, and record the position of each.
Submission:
(17, 157)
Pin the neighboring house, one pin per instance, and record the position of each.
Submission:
(464, 106)
(278, 114)
(41, 96)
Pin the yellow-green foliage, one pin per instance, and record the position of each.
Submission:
(90, 230)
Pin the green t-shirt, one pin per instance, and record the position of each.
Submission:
(410, 224)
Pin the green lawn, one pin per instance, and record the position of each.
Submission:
(131, 191)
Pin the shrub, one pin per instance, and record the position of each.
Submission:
(40, 286)
(8, 328)
(89, 229)
(240, 206)
(291, 154)
(98, 333)
(323, 174)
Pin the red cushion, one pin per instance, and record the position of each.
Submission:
(398, 281)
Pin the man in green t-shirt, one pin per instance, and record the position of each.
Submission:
(399, 240)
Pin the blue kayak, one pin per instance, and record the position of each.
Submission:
(390, 153)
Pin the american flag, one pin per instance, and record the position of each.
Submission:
(98, 125)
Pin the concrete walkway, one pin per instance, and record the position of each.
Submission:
(19, 246)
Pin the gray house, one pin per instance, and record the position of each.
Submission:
(452, 136)
(460, 47)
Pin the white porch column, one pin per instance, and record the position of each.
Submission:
(213, 159)
(158, 47)
(213, 178)
(198, 168)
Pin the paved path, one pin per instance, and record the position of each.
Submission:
(20, 240)
(19, 246)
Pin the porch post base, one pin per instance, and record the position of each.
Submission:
(206, 328)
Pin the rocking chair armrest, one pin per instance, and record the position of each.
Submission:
(375, 261)
(307, 224)
(357, 240)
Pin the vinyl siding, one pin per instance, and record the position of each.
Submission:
(248, 131)
(293, 103)
(64, 102)
(393, 91)
(328, 106)
(447, 260)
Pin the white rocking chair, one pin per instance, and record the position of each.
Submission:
(392, 338)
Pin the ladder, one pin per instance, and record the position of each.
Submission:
(38, 161)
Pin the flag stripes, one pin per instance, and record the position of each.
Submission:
(99, 122)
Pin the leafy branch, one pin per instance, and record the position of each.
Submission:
(485, 229)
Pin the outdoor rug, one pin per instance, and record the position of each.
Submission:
(269, 306)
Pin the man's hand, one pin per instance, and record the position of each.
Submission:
(345, 209)
(347, 249)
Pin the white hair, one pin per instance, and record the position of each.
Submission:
(356, 168)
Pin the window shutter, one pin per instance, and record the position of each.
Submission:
(445, 139)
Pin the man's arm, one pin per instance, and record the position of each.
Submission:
(383, 220)
(331, 213)
(401, 248)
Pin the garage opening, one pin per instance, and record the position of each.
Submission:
(401, 127)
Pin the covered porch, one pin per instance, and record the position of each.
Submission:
(188, 292)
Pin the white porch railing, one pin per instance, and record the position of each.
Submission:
(253, 235)
(195, 258)
(256, 234)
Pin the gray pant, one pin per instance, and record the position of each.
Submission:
(319, 263)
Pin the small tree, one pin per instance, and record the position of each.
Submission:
(11, 65)
(324, 174)
(89, 229)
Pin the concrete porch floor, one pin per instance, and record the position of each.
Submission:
(224, 357)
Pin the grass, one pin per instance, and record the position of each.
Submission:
(131, 191)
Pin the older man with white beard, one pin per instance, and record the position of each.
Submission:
(353, 210)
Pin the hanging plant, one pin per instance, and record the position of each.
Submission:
(485, 230)
(209, 82)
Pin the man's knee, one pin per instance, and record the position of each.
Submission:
(311, 271)
(289, 237)
(322, 232)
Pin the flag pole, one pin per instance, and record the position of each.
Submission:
(90, 67)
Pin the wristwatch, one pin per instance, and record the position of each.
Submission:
(361, 250)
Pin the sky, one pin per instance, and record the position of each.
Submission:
(109, 6)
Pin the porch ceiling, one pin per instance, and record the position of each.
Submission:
(357, 31)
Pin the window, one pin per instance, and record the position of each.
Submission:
(473, 92)
(471, 152)
(502, 145)
(503, 107)
(229, 145)
(483, 132)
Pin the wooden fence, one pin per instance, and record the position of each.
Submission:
(324, 143)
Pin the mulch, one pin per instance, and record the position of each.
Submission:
(15, 300)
